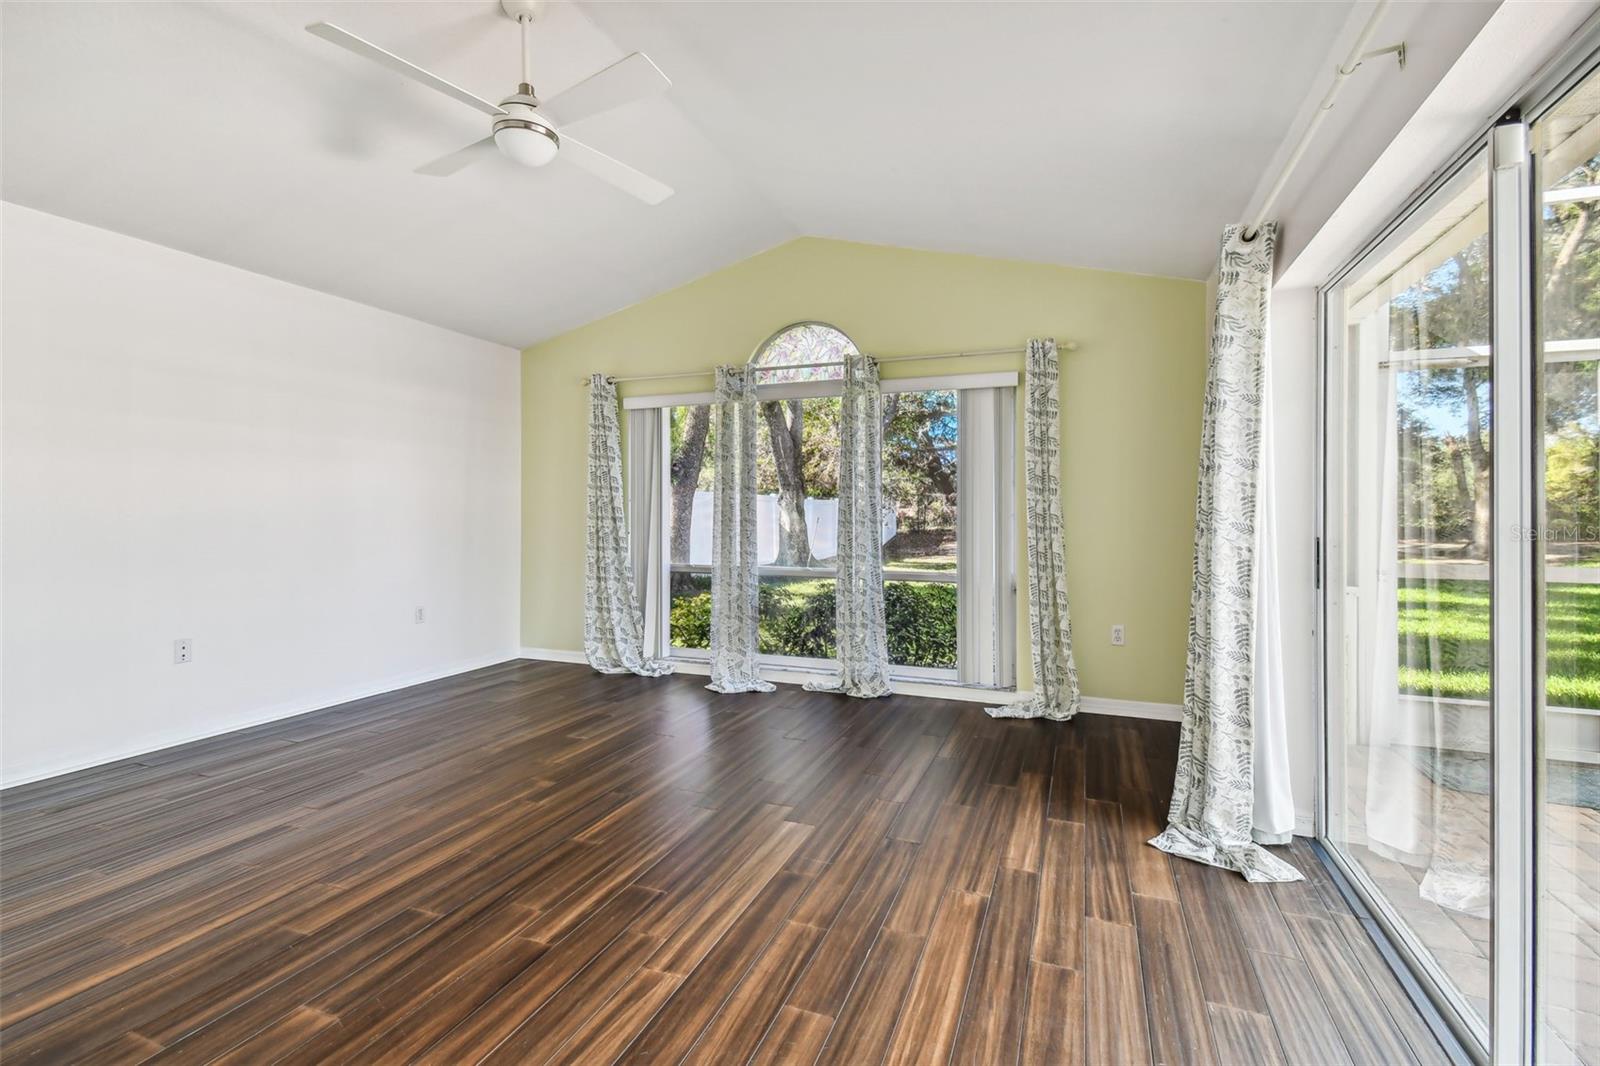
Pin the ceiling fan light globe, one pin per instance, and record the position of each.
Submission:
(532, 147)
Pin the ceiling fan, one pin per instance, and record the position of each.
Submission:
(526, 129)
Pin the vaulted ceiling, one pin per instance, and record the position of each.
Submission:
(1111, 135)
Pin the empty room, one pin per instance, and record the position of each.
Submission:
(977, 533)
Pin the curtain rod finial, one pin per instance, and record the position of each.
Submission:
(1071, 346)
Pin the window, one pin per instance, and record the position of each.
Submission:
(921, 587)
(689, 526)
(797, 472)
(805, 351)
(1566, 143)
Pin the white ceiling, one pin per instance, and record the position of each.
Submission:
(1113, 135)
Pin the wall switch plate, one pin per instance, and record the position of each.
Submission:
(182, 650)
(420, 617)
(1119, 636)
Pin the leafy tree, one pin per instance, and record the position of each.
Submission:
(1449, 308)
(919, 443)
(690, 436)
(1572, 495)
(798, 459)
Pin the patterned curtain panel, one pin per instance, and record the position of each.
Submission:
(1213, 796)
(862, 640)
(612, 627)
(734, 581)
(1055, 675)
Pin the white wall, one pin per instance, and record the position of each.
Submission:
(192, 450)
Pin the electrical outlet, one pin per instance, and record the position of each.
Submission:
(420, 617)
(1119, 636)
(182, 650)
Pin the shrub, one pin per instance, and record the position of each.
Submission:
(799, 621)
(922, 623)
(691, 621)
(797, 618)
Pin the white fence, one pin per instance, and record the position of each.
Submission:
(822, 527)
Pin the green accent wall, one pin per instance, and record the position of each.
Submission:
(1130, 418)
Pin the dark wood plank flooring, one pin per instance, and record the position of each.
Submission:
(534, 863)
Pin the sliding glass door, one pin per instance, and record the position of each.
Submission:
(1461, 584)
(1409, 542)
(1567, 288)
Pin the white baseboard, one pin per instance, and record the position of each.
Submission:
(786, 676)
(261, 716)
(1163, 712)
(554, 655)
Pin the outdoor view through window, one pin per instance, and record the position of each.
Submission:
(797, 488)
(1567, 291)
(1409, 799)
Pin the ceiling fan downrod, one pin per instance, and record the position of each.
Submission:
(526, 24)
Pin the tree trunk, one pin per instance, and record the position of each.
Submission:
(1565, 256)
(1458, 465)
(1569, 249)
(686, 477)
(1481, 514)
(785, 428)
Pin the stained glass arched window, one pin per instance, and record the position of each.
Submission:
(786, 354)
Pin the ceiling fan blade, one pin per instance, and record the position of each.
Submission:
(366, 49)
(446, 165)
(613, 172)
(631, 78)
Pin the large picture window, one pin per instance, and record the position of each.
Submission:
(797, 480)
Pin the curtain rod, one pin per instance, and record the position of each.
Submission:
(1357, 56)
(1070, 346)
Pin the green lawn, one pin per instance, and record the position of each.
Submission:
(1454, 615)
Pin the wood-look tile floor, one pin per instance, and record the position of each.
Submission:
(534, 863)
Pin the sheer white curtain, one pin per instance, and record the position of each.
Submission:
(648, 476)
(1397, 800)
(1212, 818)
(734, 580)
(612, 637)
(1410, 817)
(1273, 808)
(861, 635)
(986, 616)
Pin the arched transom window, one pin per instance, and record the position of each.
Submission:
(788, 353)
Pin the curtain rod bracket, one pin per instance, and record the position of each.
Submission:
(1398, 50)
(1354, 58)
